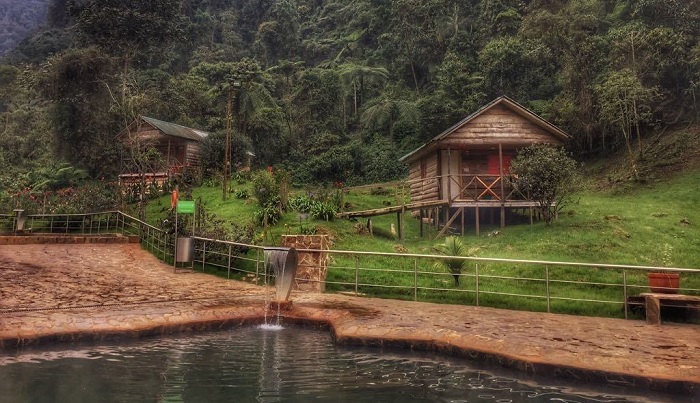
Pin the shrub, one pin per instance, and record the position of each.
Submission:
(546, 175)
(241, 194)
(301, 204)
(265, 188)
(323, 211)
(271, 213)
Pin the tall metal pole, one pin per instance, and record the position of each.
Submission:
(227, 146)
(228, 152)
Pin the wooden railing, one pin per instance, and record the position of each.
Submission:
(470, 188)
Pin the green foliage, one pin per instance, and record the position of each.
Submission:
(124, 27)
(625, 103)
(321, 81)
(268, 215)
(323, 211)
(265, 188)
(241, 193)
(454, 246)
(301, 204)
(46, 197)
(546, 175)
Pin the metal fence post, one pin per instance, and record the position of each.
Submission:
(624, 291)
(257, 265)
(228, 275)
(357, 273)
(204, 255)
(476, 272)
(415, 279)
(546, 270)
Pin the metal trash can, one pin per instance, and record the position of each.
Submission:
(184, 250)
(20, 219)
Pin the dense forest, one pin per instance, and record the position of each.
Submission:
(338, 90)
(17, 19)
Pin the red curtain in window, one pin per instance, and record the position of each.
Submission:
(493, 166)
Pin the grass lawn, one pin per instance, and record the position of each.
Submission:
(651, 225)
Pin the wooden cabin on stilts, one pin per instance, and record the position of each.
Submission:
(462, 176)
(178, 146)
(468, 166)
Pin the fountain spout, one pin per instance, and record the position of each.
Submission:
(282, 262)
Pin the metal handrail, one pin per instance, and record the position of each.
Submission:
(409, 273)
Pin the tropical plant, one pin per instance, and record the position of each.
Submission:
(323, 211)
(455, 248)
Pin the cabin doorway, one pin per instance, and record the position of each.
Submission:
(451, 182)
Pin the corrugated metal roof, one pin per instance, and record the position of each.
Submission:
(508, 102)
(176, 130)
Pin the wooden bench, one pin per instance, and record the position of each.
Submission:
(652, 304)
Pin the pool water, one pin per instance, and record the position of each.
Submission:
(267, 365)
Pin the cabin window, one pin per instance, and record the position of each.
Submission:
(493, 165)
(423, 170)
(474, 163)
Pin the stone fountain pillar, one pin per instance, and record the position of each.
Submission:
(313, 260)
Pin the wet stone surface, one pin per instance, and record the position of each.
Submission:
(70, 292)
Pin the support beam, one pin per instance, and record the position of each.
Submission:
(503, 191)
(447, 224)
(476, 219)
(421, 214)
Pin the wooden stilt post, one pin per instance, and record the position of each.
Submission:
(446, 213)
(421, 214)
(476, 219)
(463, 212)
(531, 220)
(503, 191)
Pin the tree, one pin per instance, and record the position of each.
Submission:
(356, 78)
(625, 104)
(123, 28)
(77, 84)
(242, 84)
(545, 175)
(386, 112)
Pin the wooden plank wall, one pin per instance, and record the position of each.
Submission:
(499, 125)
(424, 189)
(192, 154)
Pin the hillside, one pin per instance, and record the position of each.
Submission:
(655, 222)
(334, 90)
(18, 19)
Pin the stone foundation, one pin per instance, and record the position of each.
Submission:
(312, 267)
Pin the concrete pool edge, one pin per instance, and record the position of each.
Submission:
(530, 367)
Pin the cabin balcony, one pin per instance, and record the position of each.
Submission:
(471, 190)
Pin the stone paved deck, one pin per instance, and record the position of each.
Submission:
(63, 292)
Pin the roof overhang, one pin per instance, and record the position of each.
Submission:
(504, 101)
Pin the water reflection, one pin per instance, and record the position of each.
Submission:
(266, 365)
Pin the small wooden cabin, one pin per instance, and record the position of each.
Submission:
(468, 165)
(179, 146)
